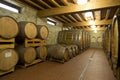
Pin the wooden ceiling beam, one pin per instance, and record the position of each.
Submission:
(101, 22)
(98, 4)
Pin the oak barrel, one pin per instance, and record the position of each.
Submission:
(69, 37)
(69, 50)
(80, 39)
(58, 52)
(8, 59)
(26, 54)
(59, 38)
(108, 42)
(116, 41)
(8, 27)
(41, 52)
(64, 36)
(27, 30)
(42, 32)
(83, 41)
(73, 50)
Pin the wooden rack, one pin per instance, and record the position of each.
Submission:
(34, 42)
(27, 65)
(7, 43)
(5, 72)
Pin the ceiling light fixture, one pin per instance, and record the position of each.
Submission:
(88, 16)
(81, 2)
(91, 22)
(94, 28)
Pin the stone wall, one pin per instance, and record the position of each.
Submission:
(30, 14)
(96, 39)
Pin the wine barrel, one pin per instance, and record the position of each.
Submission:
(76, 49)
(88, 40)
(41, 52)
(69, 37)
(80, 40)
(26, 54)
(116, 42)
(73, 50)
(69, 50)
(50, 49)
(58, 52)
(59, 38)
(27, 30)
(83, 41)
(42, 32)
(64, 36)
(86, 43)
(8, 27)
(74, 36)
(8, 59)
(108, 42)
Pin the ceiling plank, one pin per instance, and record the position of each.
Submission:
(79, 17)
(66, 18)
(60, 19)
(101, 22)
(72, 18)
(107, 14)
(65, 2)
(98, 4)
(117, 11)
(34, 4)
(44, 3)
(55, 3)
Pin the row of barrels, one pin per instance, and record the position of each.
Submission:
(10, 28)
(75, 37)
(111, 45)
(62, 52)
(21, 55)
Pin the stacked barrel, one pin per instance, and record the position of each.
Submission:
(8, 56)
(62, 52)
(21, 43)
(30, 44)
(75, 37)
(111, 45)
(71, 43)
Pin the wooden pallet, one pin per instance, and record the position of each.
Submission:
(7, 43)
(6, 72)
(27, 65)
(34, 42)
(56, 60)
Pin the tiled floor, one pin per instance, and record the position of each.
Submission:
(89, 65)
